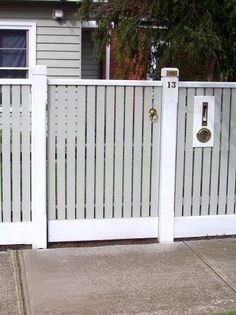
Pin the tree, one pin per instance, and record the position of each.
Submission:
(197, 36)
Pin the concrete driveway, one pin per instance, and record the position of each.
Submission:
(197, 277)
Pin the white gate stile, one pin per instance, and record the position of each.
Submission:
(39, 101)
(103, 156)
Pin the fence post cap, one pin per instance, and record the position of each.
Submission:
(169, 72)
(39, 70)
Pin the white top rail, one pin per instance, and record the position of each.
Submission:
(15, 82)
(196, 84)
(104, 82)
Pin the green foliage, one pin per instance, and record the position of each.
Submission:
(197, 36)
(228, 313)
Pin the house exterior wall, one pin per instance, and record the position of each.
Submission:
(58, 45)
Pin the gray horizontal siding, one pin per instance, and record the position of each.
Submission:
(67, 72)
(66, 39)
(61, 31)
(48, 47)
(54, 54)
(58, 45)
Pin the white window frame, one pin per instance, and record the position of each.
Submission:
(31, 41)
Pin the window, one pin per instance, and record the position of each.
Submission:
(17, 50)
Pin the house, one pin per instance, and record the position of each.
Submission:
(47, 33)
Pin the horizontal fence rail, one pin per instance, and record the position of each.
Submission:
(205, 177)
(207, 84)
(15, 154)
(85, 82)
(103, 150)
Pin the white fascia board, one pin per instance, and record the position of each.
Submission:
(89, 24)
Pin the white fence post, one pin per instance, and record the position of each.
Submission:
(39, 100)
(168, 154)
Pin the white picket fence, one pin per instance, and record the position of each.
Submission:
(81, 160)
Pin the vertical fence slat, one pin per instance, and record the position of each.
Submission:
(26, 152)
(6, 168)
(206, 181)
(16, 209)
(137, 151)
(224, 151)
(100, 151)
(91, 99)
(51, 153)
(180, 152)
(155, 155)
(61, 153)
(146, 170)
(80, 153)
(1, 166)
(215, 154)
(128, 151)
(70, 161)
(188, 154)
(119, 123)
(232, 157)
(197, 176)
(109, 152)
(206, 170)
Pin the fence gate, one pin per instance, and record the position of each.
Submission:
(103, 155)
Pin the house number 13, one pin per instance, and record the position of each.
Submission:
(171, 85)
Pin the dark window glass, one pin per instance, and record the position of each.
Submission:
(13, 58)
(13, 39)
(13, 74)
(13, 53)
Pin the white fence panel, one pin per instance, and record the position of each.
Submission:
(112, 147)
(15, 163)
(205, 177)
(15, 129)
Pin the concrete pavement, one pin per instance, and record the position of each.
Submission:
(197, 277)
(10, 301)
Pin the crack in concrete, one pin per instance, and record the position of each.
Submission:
(21, 284)
(213, 268)
(20, 296)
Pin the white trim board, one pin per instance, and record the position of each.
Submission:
(198, 84)
(103, 82)
(15, 82)
(205, 226)
(102, 229)
(89, 24)
(16, 233)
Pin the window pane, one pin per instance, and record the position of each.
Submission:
(13, 74)
(12, 58)
(12, 39)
